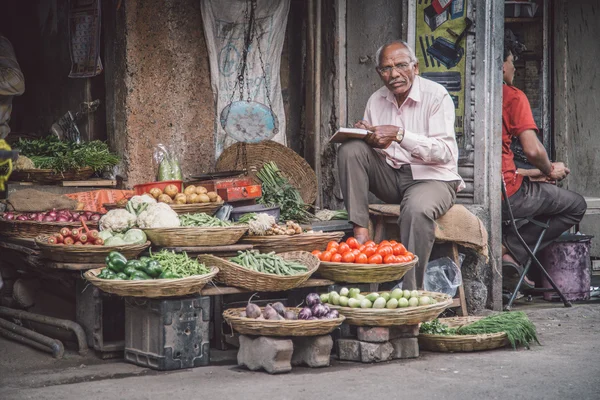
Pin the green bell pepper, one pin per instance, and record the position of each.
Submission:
(139, 276)
(153, 268)
(129, 271)
(107, 274)
(116, 261)
(122, 276)
(137, 264)
(169, 275)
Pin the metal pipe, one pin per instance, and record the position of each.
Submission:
(44, 319)
(317, 102)
(24, 335)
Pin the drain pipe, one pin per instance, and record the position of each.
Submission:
(31, 338)
(44, 319)
(317, 101)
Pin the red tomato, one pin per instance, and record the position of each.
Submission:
(316, 253)
(399, 249)
(349, 257)
(353, 243)
(356, 252)
(332, 244)
(362, 247)
(333, 250)
(393, 242)
(326, 256)
(361, 259)
(336, 258)
(375, 259)
(370, 243)
(343, 248)
(410, 256)
(384, 243)
(390, 259)
(369, 251)
(385, 251)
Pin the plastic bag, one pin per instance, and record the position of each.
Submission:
(443, 276)
(167, 163)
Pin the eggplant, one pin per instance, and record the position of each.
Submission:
(279, 307)
(319, 310)
(312, 299)
(305, 313)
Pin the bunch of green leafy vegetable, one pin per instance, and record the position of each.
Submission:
(276, 190)
(435, 327)
(52, 153)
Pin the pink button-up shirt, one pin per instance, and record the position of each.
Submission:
(427, 117)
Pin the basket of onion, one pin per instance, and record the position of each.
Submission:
(277, 320)
(33, 224)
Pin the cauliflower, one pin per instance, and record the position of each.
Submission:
(145, 198)
(118, 220)
(158, 215)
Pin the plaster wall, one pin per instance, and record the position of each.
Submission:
(161, 83)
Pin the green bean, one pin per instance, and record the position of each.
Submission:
(269, 263)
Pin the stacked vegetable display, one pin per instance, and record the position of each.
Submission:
(397, 298)
(191, 195)
(163, 265)
(76, 236)
(350, 251)
(268, 263)
(277, 311)
(53, 215)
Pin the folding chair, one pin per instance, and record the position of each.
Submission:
(512, 224)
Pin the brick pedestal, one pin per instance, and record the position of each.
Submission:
(376, 344)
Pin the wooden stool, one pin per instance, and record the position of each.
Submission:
(382, 214)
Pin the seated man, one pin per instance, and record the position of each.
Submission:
(409, 158)
(531, 192)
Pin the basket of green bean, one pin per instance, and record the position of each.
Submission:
(267, 272)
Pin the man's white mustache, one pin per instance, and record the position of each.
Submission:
(396, 80)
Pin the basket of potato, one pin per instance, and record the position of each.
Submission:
(193, 199)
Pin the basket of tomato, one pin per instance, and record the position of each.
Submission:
(371, 262)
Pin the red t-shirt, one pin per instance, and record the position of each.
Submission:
(516, 118)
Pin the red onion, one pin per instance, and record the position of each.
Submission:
(96, 217)
(21, 218)
(83, 218)
(51, 214)
(32, 216)
(9, 216)
(62, 219)
(49, 218)
(40, 217)
(88, 214)
(75, 215)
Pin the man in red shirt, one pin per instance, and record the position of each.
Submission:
(531, 192)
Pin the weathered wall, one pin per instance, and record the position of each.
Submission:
(39, 33)
(161, 82)
(577, 93)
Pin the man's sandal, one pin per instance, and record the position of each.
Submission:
(511, 273)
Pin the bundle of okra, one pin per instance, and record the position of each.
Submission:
(268, 263)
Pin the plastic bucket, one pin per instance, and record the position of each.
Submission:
(568, 263)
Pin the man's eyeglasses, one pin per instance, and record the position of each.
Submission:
(398, 67)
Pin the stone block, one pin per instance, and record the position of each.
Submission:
(271, 354)
(404, 331)
(378, 334)
(313, 351)
(405, 348)
(375, 352)
(348, 349)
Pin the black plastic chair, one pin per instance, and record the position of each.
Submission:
(511, 223)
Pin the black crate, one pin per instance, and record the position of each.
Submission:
(167, 334)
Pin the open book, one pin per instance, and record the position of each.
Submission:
(344, 134)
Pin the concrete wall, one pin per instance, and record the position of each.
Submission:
(158, 82)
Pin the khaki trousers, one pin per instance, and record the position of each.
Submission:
(363, 170)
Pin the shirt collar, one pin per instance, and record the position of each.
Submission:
(414, 94)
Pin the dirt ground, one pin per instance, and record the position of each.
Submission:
(567, 365)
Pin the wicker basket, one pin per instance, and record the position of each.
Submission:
(33, 229)
(249, 326)
(397, 316)
(85, 254)
(208, 208)
(293, 167)
(462, 343)
(364, 273)
(50, 176)
(192, 236)
(284, 243)
(152, 288)
(232, 274)
(112, 206)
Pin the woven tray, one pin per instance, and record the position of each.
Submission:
(462, 343)
(152, 288)
(364, 273)
(397, 316)
(191, 236)
(33, 229)
(85, 254)
(50, 176)
(293, 167)
(249, 326)
(284, 243)
(233, 274)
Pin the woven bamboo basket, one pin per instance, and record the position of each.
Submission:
(152, 288)
(85, 254)
(364, 273)
(232, 274)
(50, 176)
(293, 167)
(249, 326)
(284, 243)
(112, 206)
(33, 229)
(462, 343)
(208, 208)
(397, 316)
(192, 236)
